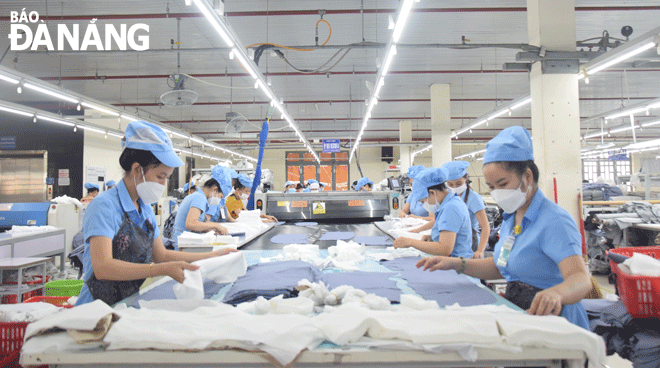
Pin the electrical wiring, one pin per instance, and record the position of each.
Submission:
(317, 32)
(318, 70)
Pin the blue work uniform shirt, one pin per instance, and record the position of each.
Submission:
(416, 207)
(103, 217)
(453, 216)
(474, 204)
(549, 235)
(197, 200)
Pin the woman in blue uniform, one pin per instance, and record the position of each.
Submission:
(459, 184)
(451, 234)
(414, 208)
(364, 185)
(109, 184)
(122, 240)
(92, 192)
(539, 252)
(217, 208)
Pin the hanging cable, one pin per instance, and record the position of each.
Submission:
(317, 32)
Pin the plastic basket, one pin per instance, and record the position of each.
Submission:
(64, 288)
(11, 342)
(640, 294)
(11, 299)
(58, 301)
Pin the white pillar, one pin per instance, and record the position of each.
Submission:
(440, 125)
(555, 104)
(405, 136)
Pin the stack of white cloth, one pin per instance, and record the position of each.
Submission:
(299, 252)
(346, 255)
(19, 230)
(249, 216)
(26, 312)
(408, 222)
(641, 265)
(190, 238)
(405, 233)
(222, 270)
(66, 199)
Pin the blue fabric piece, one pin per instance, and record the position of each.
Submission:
(279, 223)
(197, 200)
(378, 283)
(166, 291)
(426, 179)
(306, 223)
(417, 208)
(401, 264)
(270, 280)
(338, 235)
(456, 169)
(289, 239)
(103, 217)
(511, 144)
(549, 235)
(373, 240)
(454, 216)
(474, 204)
(150, 137)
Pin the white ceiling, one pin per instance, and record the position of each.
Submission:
(478, 84)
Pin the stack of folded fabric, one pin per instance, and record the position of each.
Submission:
(270, 280)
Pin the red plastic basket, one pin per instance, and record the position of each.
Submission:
(11, 299)
(640, 294)
(11, 342)
(58, 301)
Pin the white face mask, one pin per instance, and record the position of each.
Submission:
(244, 196)
(431, 208)
(214, 200)
(459, 190)
(149, 191)
(510, 199)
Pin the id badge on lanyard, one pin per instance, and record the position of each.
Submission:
(506, 251)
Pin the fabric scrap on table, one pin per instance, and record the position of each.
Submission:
(373, 240)
(270, 280)
(346, 255)
(84, 317)
(166, 291)
(309, 223)
(401, 264)
(370, 282)
(392, 253)
(290, 239)
(338, 235)
(191, 287)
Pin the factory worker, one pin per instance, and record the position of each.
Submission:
(189, 188)
(314, 187)
(122, 238)
(92, 192)
(289, 185)
(299, 188)
(217, 209)
(452, 233)
(291, 190)
(364, 185)
(309, 184)
(354, 184)
(110, 183)
(193, 214)
(234, 202)
(411, 207)
(539, 252)
(234, 176)
(459, 184)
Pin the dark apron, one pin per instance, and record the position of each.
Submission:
(130, 244)
(522, 294)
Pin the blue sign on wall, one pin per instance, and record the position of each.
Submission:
(50, 181)
(7, 143)
(331, 145)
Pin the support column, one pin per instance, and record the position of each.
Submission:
(440, 125)
(405, 136)
(555, 104)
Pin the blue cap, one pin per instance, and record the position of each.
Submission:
(234, 174)
(187, 186)
(414, 170)
(222, 175)
(110, 183)
(311, 181)
(362, 182)
(289, 183)
(247, 182)
(291, 190)
(149, 137)
(512, 144)
(89, 186)
(426, 179)
(456, 169)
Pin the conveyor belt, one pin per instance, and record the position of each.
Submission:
(315, 232)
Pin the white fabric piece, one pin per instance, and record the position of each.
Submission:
(226, 239)
(319, 294)
(83, 317)
(392, 253)
(223, 269)
(521, 329)
(466, 351)
(175, 305)
(16, 230)
(278, 305)
(249, 228)
(299, 252)
(643, 265)
(26, 312)
(417, 303)
(192, 286)
(66, 200)
(249, 216)
(402, 233)
(283, 336)
(56, 343)
(408, 222)
(346, 255)
(188, 237)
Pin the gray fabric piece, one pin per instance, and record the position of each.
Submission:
(338, 235)
(643, 209)
(306, 223)
(290, 239)
(166, 291)
(373, 240)
(370, 282)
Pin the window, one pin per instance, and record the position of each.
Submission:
(333, 170)
(594, 168)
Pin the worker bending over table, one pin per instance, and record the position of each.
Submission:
(122, 238)
(539, 252)
(415, 209)
(452, 233)
(459, 183)
(234, 203)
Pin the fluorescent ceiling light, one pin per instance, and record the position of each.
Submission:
(100, 109)
(629, 54)
(115, 135)
(594, 135)
(50, 93)
(522, 103)
(9, 79)
(214, 20)
(245, 64)
(92, 129)
(388, 61)
(401, 19)
(626, 113)
(651, 143)
(657, 122)
(58, 121)
(623, 129)
(17, 112)
(265, 89)
(133, 118)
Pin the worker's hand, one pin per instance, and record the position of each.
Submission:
(269, 218)
(402, 214)
(546, 302)
(416, 231)
(436, 263)
(478, 255)
(402, 242)
(219, 229)
(175, 269)
(224, 252)
(426, 238)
